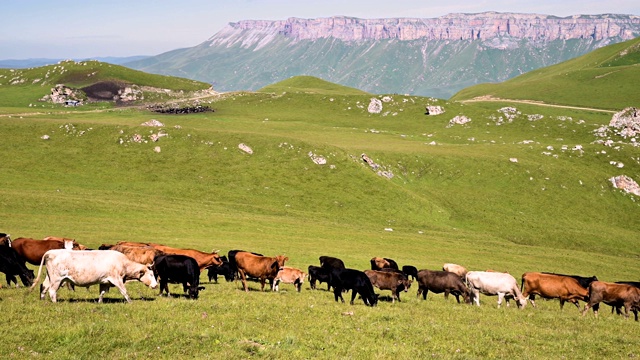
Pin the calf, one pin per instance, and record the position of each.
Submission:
(261, 267)
(224, 270)
(387, 280)
(320, 274)
(553, 286)
(378, 263)
(85, 268)
(459, 270)
(442, 282)
(616, 295)
(178, 269)
(329, 262)
(354, 280)
(289, 275)
(493, 283)
(409, 270)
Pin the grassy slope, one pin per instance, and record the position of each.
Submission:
(21, 87)
(606, 78)
(460, 200)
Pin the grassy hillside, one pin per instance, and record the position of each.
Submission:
(606, 78)
(310, 85)
(506, 194)
(24, 87)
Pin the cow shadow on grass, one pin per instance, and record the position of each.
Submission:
(107, 300)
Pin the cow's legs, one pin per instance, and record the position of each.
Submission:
(53, 290)
(476, 296)
(243, 278)
(337, 293)
(121, 288)
(500, 298)
(354, 293)
(561, 303)
(103, 289)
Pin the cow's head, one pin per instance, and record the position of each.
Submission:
(146, 276)
(215, 259)
(379, 263)
(5, 240)
(278, 264)
(194, 291)
(405, 283)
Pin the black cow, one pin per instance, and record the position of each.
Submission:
(178, 269)
(232, 262)
(582, 280)
(224, 270)
(409, 270)
(442, 282)
(320, 274)
(329, 262)
(356, 281)
(12, 265)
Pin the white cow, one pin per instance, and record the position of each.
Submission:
(89, 267)
(494, 283)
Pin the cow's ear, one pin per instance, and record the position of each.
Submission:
(286, 258)
(274, 265)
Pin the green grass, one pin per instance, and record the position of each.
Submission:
(461, 200)
(605, 79)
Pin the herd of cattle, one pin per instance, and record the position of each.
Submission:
(68, 262)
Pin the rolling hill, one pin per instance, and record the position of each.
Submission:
(606, 78)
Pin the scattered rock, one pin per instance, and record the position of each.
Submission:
(319, 160)
(152, 122)
(626, 183)
(513, 160)
(375, 106)
(626, 123)
(434, 110)
(245, 148)
(44, 137)
(156, 149)
(459, 120)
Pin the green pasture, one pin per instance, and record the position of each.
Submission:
(506, 195)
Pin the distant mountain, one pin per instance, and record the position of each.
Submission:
(433, 57)
(37, 62)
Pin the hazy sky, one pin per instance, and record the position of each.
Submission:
(75, 29)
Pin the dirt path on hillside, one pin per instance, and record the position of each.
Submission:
(533, 102)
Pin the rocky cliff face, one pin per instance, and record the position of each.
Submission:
(453, 27)
(431, 57)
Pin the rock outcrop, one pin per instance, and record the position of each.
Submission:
(483, 26)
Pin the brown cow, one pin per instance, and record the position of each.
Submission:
(261, 267)
(613, 294)
(459, 270)
(389, 280)
(378, 263)
(289, 275)
(552, 286)
(142, 255)
(63, 239)
(204, 259)
(446, 282)
(33, 250)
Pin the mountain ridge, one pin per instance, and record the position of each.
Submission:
(427, 57)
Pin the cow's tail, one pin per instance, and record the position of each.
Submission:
(37, 279)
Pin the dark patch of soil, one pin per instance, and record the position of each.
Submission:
(103, 90)
(174, 109)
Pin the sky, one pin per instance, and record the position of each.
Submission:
(65, 29)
